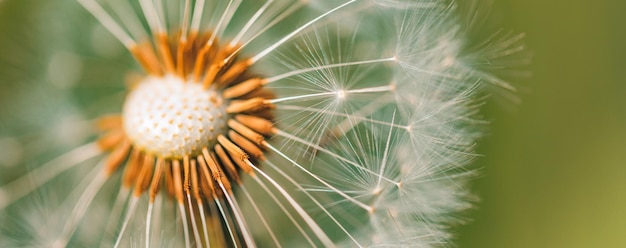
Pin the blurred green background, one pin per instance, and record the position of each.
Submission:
(555, 165)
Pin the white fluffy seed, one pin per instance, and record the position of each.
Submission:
(171, 118)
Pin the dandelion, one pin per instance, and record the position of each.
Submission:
(268, 123)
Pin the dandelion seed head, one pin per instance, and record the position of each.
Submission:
(269, 123)
(171, 118)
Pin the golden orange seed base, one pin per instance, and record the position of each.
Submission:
(208, 174)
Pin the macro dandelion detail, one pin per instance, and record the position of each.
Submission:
(267, 123)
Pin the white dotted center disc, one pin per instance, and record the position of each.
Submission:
(171, 118)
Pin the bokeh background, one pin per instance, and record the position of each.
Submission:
(554, 166)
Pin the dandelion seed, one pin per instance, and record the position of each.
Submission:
(270, 123)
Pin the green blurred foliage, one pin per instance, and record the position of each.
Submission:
(555, 165)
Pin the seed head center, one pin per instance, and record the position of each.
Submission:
(171, 118)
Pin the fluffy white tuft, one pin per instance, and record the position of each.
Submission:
(376, 123)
